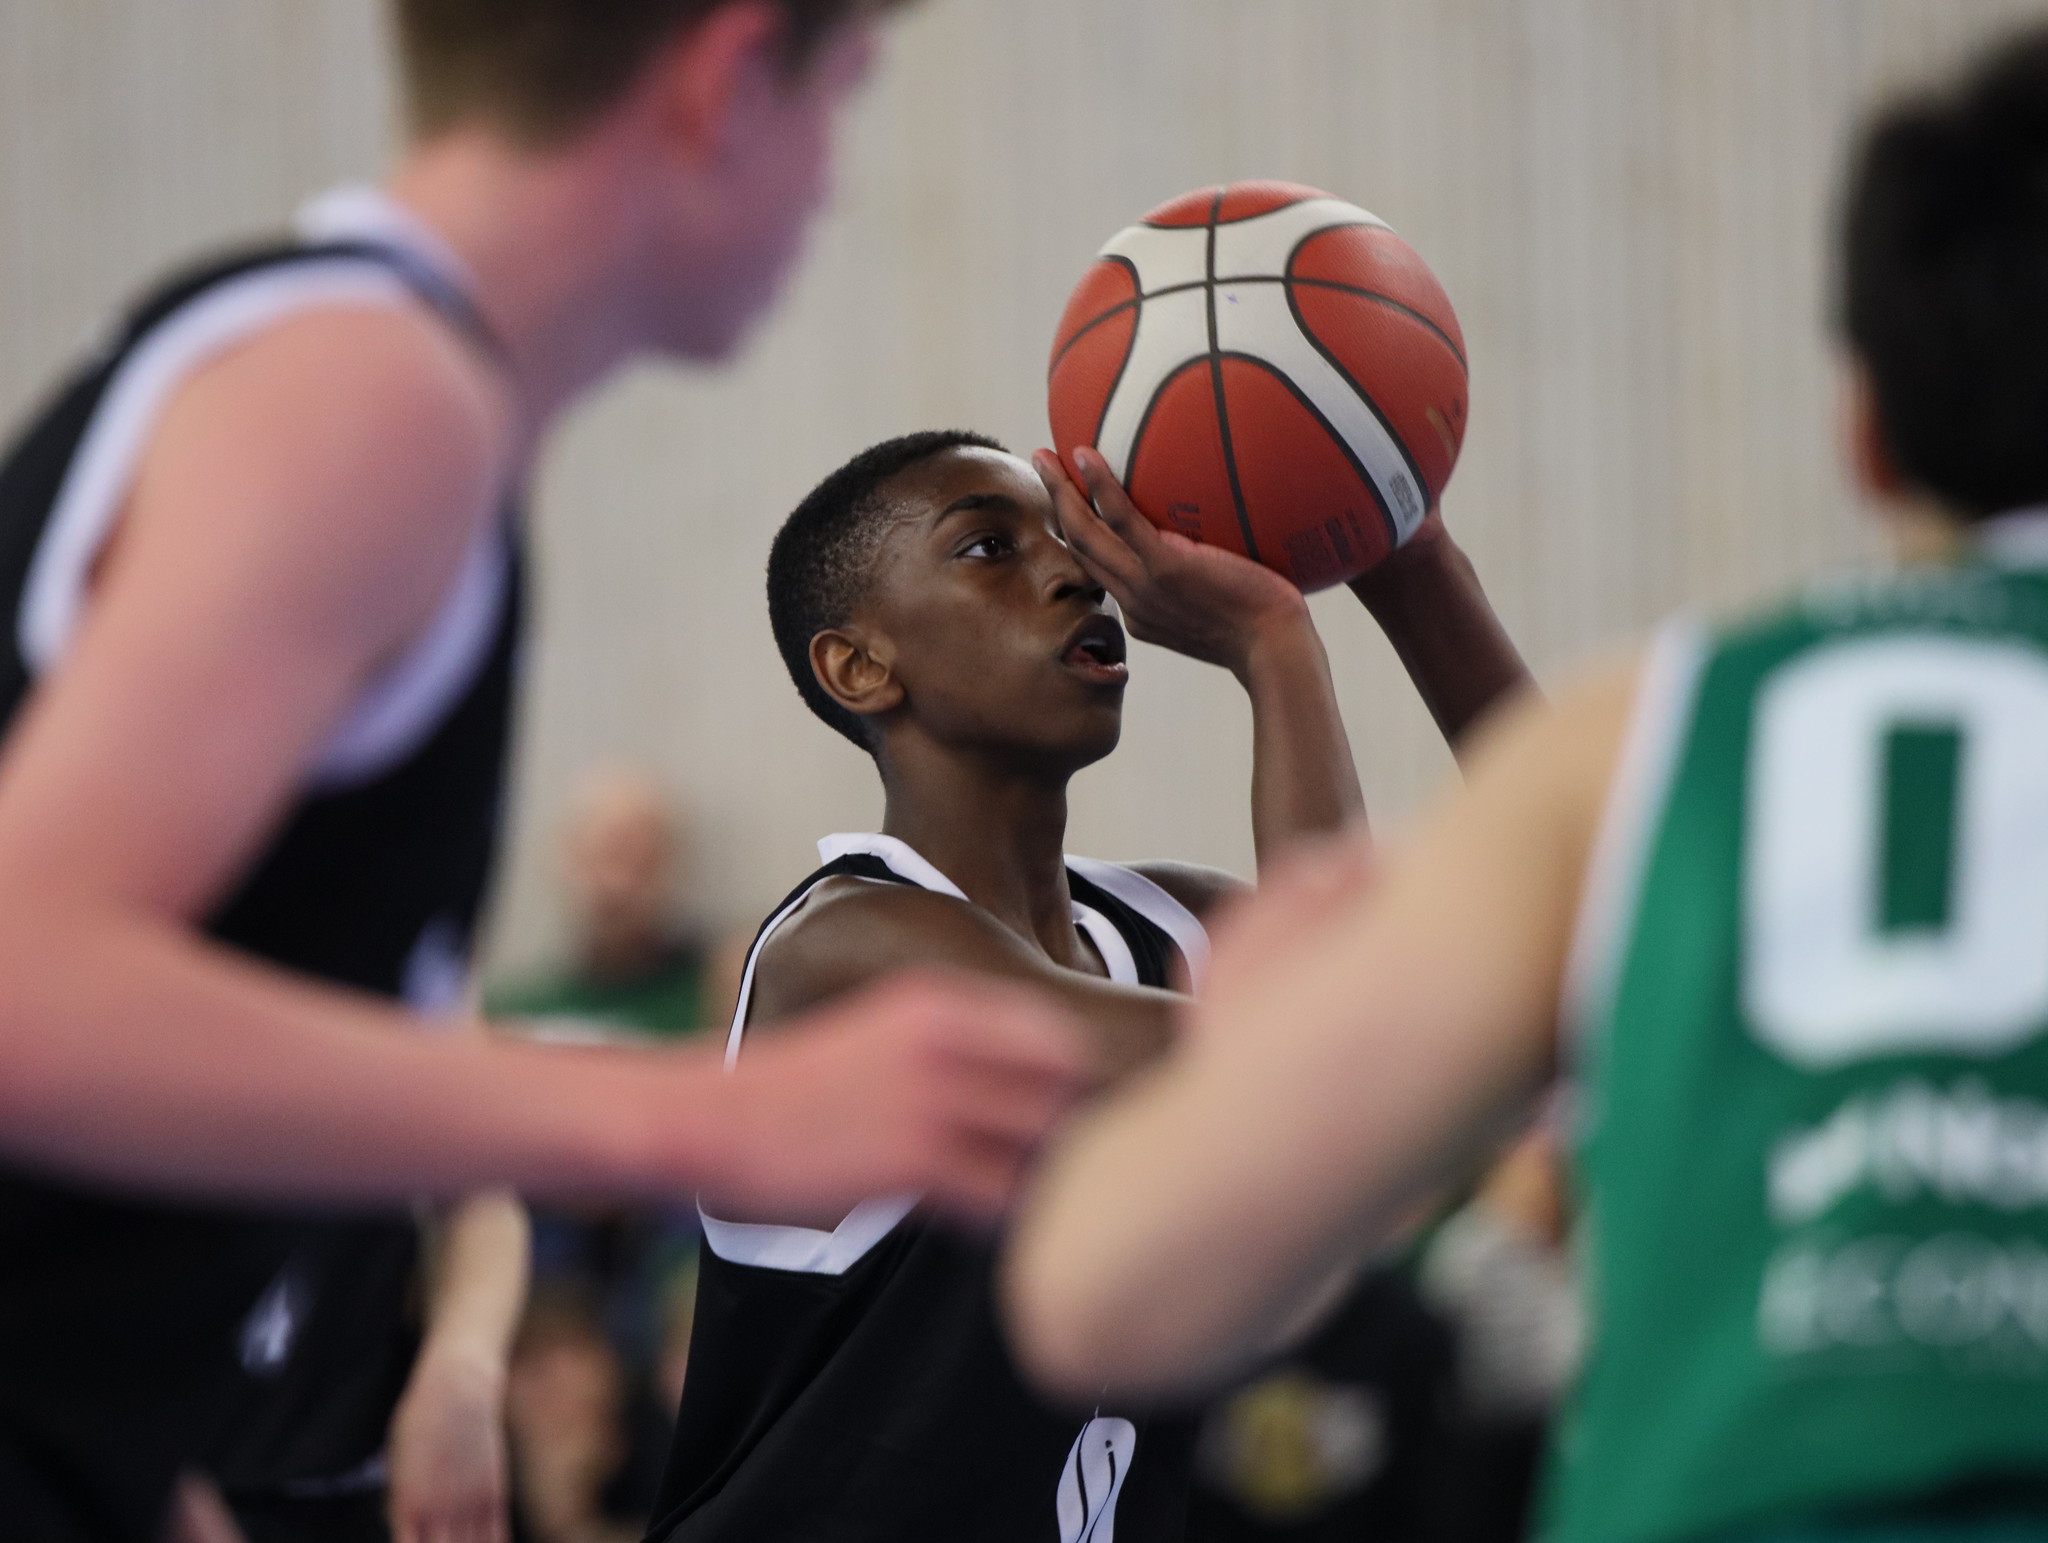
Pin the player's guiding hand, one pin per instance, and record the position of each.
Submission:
(937, 1084)
(447, 1453)
(1197, 600)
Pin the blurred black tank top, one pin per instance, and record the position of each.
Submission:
(853, 1386)
(130, 1328)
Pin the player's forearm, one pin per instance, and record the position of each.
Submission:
(1129, 1270)
(134, 1053)
(480, 1280)
(1303, 780)
(1428, 600)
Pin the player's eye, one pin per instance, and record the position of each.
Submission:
(986, 546)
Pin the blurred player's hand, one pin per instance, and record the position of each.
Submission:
(938, 1084)
(447, 1454)
(1197, 600)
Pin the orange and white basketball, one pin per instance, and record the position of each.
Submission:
(1269, 369)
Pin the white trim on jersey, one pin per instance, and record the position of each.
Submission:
(1637, 793)
(2015, 539)
(403, 706)
(807, 1250)
(1156, 906)
(811, 1250)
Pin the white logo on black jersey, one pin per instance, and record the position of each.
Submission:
(273, 1324)
(1097, 1464)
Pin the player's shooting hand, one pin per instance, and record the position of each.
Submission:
(943, 1085)
(1197, 600)
(1421, 554)
(447, 1453)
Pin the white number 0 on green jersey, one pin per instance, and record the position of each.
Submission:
(1896, 854)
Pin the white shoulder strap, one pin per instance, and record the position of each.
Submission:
(811, 1250)
(1156, 906)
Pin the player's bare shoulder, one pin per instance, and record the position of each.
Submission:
(848, 931)
(357, 447)
(1204, 891)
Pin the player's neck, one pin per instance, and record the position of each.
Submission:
(1000, 836)
(550, 244)
(1921, 532)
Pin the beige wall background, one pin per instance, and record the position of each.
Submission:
(1628, 201)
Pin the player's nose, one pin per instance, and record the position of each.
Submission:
(1065, 578)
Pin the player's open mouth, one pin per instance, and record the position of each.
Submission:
(1095, 651)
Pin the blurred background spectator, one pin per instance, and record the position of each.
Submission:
(598, 1367)
(634, 966)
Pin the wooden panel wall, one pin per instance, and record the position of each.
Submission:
(1627, 199)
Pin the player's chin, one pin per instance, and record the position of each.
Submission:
(1096, 733)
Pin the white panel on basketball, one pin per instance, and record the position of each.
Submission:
(1162, 255)
(1171, 331)
(1260, 246)
(1255, 319)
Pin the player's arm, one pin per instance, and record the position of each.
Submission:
(301, 508)
(1218, 607)
(1360, 1041)
(447, 1446)
(1427, 598)
(852, 932)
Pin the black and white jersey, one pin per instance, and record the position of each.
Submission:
(852, 1386)
(128, 1328)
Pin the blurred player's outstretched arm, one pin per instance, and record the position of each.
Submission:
(1359, 1042)
(301, 508)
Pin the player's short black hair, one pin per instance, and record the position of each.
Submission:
(1944, 291)
(823, 554)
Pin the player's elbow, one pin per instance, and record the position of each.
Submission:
(41, 1055)
(1078, 1331)
(1059, 1335)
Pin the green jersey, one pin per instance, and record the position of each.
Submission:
(666, 1000)
(1807, 1010)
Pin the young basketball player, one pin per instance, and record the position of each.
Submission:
(846, 1379)
(1777, 897)
(263, 567)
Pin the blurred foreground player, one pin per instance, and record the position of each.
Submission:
(261, 558)
(1778, 898)
(847, 1380)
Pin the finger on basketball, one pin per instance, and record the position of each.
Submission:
(1108, 500)
(1107, 557)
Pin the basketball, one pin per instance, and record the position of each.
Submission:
(1269, 369)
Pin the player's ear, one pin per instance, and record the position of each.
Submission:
(1869, 453)
(857, 670)
(705, 84)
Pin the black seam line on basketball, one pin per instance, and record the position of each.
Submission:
(1294, 252)
(1365, 396)
(1244, 523)
(1377, 298)
(1135, 302)
(1123, 364)
(1337, 285)
(1216, 204)
(1152, 406)
(1336, 436)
